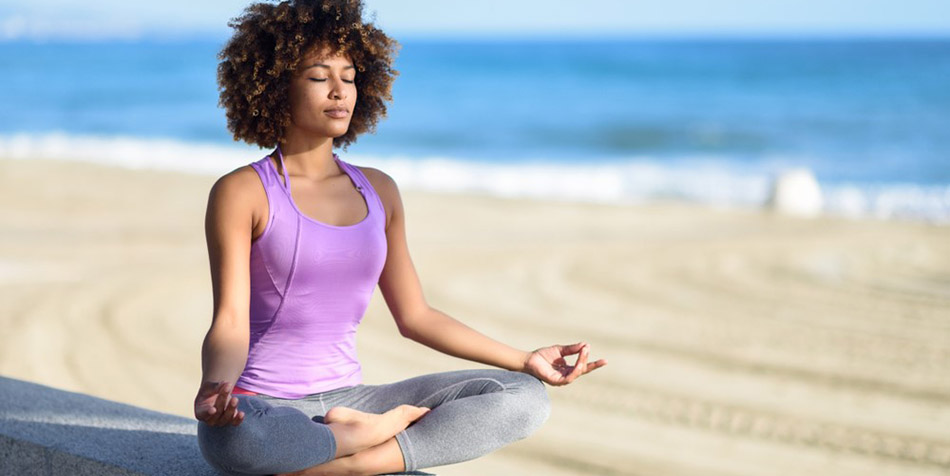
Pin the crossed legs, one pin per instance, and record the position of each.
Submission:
(473, 412)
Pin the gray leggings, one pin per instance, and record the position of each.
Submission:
(473, 413)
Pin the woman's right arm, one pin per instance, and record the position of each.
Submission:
(228, 224)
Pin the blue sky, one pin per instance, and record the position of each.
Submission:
(487, 18)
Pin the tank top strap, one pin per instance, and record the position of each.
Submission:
(354, 174)
(283, 169)
(265, 170)
(271, 178)
(363, 184)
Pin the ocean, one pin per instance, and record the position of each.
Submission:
(611, 120)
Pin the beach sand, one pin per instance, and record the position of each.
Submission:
(740, 343)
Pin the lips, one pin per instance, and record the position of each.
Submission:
(337, 113)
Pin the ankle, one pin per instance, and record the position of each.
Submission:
(338, 467)
(383, 458)
(358, 465)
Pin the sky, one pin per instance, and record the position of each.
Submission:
(95, 19)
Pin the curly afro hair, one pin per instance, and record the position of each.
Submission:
(270, 41)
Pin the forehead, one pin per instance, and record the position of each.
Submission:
(322, 55)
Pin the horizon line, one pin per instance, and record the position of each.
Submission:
(497, 36)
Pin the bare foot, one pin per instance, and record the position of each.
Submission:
(355, 430)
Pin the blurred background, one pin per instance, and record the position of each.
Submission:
(600, 171)
(629, 101)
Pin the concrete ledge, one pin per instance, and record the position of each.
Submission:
(47, 431)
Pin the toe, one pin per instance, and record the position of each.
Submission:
(413, 413)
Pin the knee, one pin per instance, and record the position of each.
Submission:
(229, 449)
(232, 448)
(534, 404)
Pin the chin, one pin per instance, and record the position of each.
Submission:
(337, 132)
(330, 131)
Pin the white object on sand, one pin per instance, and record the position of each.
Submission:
(796, 192)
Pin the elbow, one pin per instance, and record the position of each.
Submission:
(410, 323)
(406, 331)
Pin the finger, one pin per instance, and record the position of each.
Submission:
(224, 418)
(572, 349)
(595, 365)
(202, 412)
(220, 393)
(220, 404)
(214, 412)
(209, 412)
(214, 416)
(230, 411)
(238, 419)
(579, 366)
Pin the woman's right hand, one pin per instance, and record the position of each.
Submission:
(215, 405)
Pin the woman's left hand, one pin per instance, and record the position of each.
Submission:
(548, 364)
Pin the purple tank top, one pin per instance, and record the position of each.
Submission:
(310, 285)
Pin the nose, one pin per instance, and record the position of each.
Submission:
(337, 91)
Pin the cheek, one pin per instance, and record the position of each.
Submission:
(297, 99)
(302, 103)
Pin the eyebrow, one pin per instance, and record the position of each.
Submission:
(326, 66)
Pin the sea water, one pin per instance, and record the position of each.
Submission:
(610, 120)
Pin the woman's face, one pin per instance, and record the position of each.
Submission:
(322, 95)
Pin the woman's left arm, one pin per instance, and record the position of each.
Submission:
(418, 321)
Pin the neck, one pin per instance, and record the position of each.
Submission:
(312, 158)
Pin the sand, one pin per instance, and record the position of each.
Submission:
(740, 343)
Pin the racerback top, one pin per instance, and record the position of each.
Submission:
(310, 285)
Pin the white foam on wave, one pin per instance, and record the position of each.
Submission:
(129, 152)
(709, 181)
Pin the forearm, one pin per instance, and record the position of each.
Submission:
(445, 334)
(223, 354)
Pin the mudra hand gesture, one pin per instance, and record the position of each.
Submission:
(548, 364)
(215, 405)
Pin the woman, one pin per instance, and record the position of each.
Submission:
(297, 242)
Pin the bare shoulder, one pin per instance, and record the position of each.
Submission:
(240, 192)
(237, 184)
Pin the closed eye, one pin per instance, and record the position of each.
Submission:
(324, 80)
